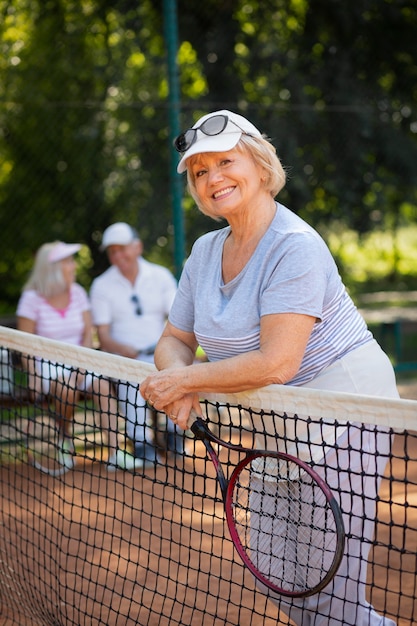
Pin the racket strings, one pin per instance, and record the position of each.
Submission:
(285, 524)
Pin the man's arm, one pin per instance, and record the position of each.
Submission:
(108, 344)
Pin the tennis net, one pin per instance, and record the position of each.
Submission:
(89, 546)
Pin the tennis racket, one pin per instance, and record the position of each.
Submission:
(283, 519)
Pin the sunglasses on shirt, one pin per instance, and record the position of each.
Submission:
(211, 127)
(136, 302)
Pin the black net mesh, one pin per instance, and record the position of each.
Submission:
(86, 543)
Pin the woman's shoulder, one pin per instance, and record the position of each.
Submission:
(290, 227)
(287, 221)
(79, 294)
(30, 296)
(30, 303)
(78, 289)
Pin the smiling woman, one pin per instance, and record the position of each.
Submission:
(264, 300)
(226, 153)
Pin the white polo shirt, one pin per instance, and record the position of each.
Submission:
(115, 301)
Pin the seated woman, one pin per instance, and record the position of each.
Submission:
(53, 305)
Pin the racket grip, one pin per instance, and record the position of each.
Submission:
(199, 429)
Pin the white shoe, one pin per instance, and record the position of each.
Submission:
(123, 460)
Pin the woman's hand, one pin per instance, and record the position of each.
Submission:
(161, 389)
(170, 390)
(179, 412)
(166, 391)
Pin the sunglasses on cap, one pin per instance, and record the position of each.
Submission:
(211, 127)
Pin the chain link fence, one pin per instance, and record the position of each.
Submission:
(85, 131)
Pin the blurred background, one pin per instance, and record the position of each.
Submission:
(93, 91)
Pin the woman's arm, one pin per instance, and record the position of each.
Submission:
(175, 348)
(26, 325)
(87, 340)
(34, 382)
(283, 341)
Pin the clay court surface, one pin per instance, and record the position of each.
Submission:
(98, 548)
(120, 549)
(93, 548)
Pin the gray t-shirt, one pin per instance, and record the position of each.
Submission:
(291, 271)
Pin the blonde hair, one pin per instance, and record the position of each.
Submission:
(46, 278)
(265, 156)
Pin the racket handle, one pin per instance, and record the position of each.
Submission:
(199, 429)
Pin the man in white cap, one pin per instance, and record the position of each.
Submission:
(130, 303)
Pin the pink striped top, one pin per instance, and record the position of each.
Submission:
(63, 325)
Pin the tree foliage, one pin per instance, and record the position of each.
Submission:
(84, 136)
(334, 85)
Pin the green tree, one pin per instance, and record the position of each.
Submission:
(333, 84)
(84, 136)
(85, 122)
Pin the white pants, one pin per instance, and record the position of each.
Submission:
(352, 469)
(139, 426)
(54, 372)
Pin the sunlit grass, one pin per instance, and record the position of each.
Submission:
(377, 260)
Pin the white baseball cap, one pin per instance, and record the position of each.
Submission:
(118, 234)
(62, 251)
(211, 139)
